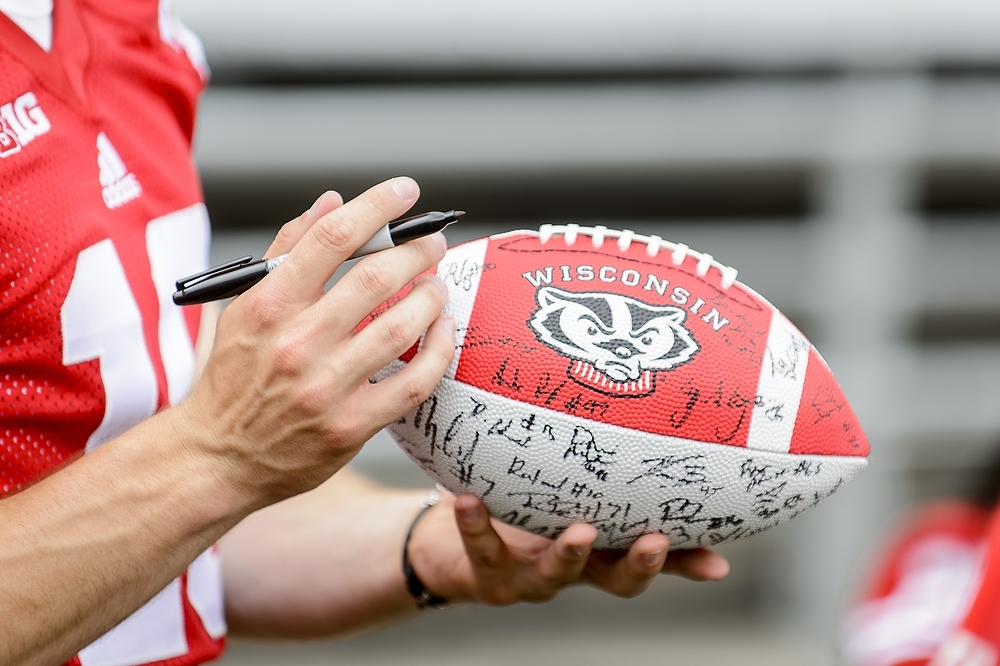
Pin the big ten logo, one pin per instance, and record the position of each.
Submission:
(21, 122)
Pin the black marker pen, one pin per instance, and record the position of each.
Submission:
(234, 277)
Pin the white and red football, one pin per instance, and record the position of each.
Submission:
(624, 381)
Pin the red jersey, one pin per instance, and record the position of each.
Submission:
(935, 596)
(100, 212)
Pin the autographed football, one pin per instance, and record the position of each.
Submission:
(628, 382)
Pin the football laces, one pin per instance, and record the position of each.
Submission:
(654, 245)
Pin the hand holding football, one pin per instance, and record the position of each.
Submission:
(629, 383)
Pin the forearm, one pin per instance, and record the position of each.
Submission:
(83, 549)
(324, 563)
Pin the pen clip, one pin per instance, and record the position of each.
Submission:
(221, 269)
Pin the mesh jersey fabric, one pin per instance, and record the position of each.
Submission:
(932, 598)
(100, 209)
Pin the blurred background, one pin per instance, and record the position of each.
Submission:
(844, 155)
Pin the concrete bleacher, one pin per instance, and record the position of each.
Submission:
(844, 156)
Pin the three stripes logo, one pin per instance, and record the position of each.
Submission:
(118, 185)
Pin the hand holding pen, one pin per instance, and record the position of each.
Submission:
(235, 277)
(284, 398)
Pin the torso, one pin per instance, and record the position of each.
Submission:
(100, 211)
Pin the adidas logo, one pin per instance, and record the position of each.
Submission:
(21, 122)
(119, 186)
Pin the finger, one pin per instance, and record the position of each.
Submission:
(697, 564)
(486, 550)
(631, 574)
(564, 561)
(333, 238)
(388, 400)
(291, 232)
(379, 277)
(396, 329)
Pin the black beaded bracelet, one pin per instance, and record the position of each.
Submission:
(415, 586)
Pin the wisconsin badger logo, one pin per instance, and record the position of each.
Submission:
(617, 342)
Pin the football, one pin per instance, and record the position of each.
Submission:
(628, 382)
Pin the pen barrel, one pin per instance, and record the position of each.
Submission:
(382, 240)
(232, 283)
(403, 231)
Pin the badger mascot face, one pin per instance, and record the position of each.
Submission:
(620, 336)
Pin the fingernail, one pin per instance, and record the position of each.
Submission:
(312, 209)
(652, 559)
(441, 242)
(439, 283)
(405, 187)
(470, 514)
(449, 324)
(719, 568)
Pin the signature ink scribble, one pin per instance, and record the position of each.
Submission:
(518, 468)
(492, 484)
(554, 505)
(756, 474)
(678, 419)
(581, 490)
(461, 274)
(501, 378)
(522, 431)
(681, 508)
(727, 403)
(425, 414)
(734, 402)
(674, 471)
(473, 336)
(785, 362)
(596, 460)
(724, 521)
(678, 535)
(459, 454)
(768, 503)
(808, 468)
(774, 412)
(825, 405)
(502, 428)
(513, 518)
(543, 388)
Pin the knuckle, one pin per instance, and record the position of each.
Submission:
(286, 233)
(415, 392)
(560, 577)
(373, 278)
(503, 595)
(377, 207)
(313, 399)
(629, 590)
(290, 356)
(396, 334)
(342, 433)
(437, 298)
(334, 233)
(430, 252)
(445, 352)
(484, 559)
(262, 311)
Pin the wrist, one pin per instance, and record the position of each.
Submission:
(415, 586)
(436, 552)
(223, 493)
